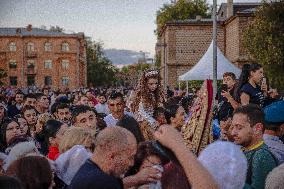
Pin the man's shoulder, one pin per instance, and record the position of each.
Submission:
(108, 117)
(91, 176)
(11, 107)
(128, 116)
(264, 156)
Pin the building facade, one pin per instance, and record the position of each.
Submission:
(33, 56)
(181, 44)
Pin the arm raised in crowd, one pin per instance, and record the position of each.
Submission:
(197, 175)
(144, 176)
(230, 99)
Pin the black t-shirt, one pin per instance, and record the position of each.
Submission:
(256, 95)
(90, 176)
(13, 110)
(225, 109)
(131, 125)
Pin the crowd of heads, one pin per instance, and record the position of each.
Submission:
(48, 137)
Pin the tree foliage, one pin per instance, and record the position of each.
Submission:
(100, 71)
(183, 9)
(264, 40)
(3, 75)
(158, 60)
(132, 72)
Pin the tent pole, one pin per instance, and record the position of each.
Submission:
(186, 87)
(214, 50)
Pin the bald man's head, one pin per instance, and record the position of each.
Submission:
(114, 138)
(117, 146)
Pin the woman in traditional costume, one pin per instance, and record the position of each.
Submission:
(197, 132)
(147, 96)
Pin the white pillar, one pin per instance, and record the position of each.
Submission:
(214, 50)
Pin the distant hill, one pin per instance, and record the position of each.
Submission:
(122, 57)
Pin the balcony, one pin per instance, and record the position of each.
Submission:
(3, 55)
(30, 71)
(31, 54)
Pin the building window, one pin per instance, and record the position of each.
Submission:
(12, 46)
(47, 46)
(30, 80)
(31, 64)
(13, 81)
(12, 64)
(65, 80)
(65, 64)
(48, 64)
(48, 80)
(65, 46)
(30, 47)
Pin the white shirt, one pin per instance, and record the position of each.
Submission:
(102, 108)
(111, 121)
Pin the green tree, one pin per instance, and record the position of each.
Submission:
(100, 71)
(183, 9)
(158, 60)
(264, 40)
(3, 75)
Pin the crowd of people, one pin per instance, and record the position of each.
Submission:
(144, 138)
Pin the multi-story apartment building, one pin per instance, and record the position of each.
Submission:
(33, 56)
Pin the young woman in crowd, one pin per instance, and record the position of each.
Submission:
(30, 114)
(53, 131)
(147, 96)
(148, 156)
(24, 128)
(175, 115)
(252, 88)
(9, 131)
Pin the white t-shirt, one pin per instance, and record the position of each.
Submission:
(111, 121)
(102, 108)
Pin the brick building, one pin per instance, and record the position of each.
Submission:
(182, 43)
(33, 56)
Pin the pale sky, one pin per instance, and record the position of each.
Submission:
(120, 24)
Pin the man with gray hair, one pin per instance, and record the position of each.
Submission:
(113, 156)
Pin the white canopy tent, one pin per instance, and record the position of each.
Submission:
(204, 68)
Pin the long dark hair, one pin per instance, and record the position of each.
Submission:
(50, 129)
(19, 116)
(244, 77)
(3, 142)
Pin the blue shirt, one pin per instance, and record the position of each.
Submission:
(90, 176)
(256, 95)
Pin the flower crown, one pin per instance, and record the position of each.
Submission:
(151, 73)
